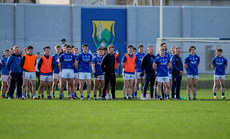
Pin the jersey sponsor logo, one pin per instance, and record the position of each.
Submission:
(103, 33)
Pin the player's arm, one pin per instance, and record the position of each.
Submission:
(213, 64)
(154, 66)
(123, 61)
(169, 66)
(186, 67)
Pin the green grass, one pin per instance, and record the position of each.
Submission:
(204, 118)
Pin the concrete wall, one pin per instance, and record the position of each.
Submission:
(41, 25)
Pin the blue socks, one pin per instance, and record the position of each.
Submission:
(222, 94)
(214, 94)
(94, 96)
(61, 95)
(88, 96)
(135, 94)
(82, 96)
(167, 96)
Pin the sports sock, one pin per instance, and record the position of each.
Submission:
(82, 96)
(167, 96)
(214, 94)
(88, 96)
(194, 95)
(94, 96)
(135, 94)
(222, 94)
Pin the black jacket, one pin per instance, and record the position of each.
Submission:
(147, 64)
(108, 64)
(177, 65)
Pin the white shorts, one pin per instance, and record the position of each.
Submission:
(170, 76)
(30, 75)
(46, 78)
(193, 76)
(137, 75)
(67, 73)
(5, 78)
(128, 76)
(163, 79)
(99, 77)
(76, 75)
(57, 75)
(84, 76)
(23, 74)
(219, 77)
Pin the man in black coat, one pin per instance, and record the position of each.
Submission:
(108, 68)
(147, 67)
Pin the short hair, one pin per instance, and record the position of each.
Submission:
(134, 48)
(6, 50)
(84, 45)
(11, 48)
(57, 46)
(30, 47)
(110, 46)
(38, 53)
(72, 46)
(46, 48)
(104, 48)
(219, 50)
(15, 47)
(129, 46)
(190, 48)
(140, 46)
(24, 49)
(99, 48)
(75, 48)
(163, 43)
(150, 47)
(68, 46)
(177, 48)
(65, 45)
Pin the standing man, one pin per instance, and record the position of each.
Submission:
(219, 64)
(191, 65)
(170, 70)
(108, 68)
(147, 67)
(161, 65)
(13, 65)
(128, 64)
(97, 73)
(37, 71)
(4, 73)
(177, 71)
(56, 70)
(45, 66)
(138, 71)
(76, 74)
(67, 62)
(28, 63)
(84, 63)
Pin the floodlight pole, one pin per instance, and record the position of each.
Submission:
(161, 19)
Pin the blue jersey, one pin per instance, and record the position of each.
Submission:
(97, 61)
(84, 62)
(56, 62)
(167, 55)
(162, 66)
(138, 61)
(74, 68)
(192, 62)
(67, 61)
(219, 63)
(3, 66)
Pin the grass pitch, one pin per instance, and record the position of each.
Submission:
(204, 118)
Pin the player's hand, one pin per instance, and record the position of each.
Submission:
(95, 75)
(181, 72)
(142, 74)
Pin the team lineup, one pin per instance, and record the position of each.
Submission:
(69, 69)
